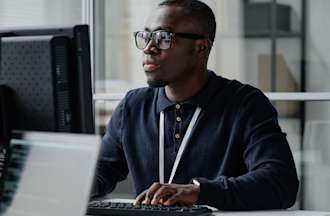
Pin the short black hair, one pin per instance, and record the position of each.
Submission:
(199, 11)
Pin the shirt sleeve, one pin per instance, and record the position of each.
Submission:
(271, 181)
(112, 166)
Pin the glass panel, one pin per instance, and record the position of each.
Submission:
(308, 135)
(316, 156)
(240, 52)
(288, 66)
(273, 59)
(318, 60)
(316, 165)
(258, 63)
(103, 112)
(40, 12)
(122, 67)
(122, 62)
(248, 58)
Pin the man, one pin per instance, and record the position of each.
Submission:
(193, 137)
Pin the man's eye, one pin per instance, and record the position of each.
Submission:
(146, 39)
(165, 36)
(144, 35)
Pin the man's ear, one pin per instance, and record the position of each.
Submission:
(202, 46)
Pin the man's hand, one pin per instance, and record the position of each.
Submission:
(169, 194)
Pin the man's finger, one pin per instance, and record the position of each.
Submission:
(140, 198)
(150, 193)
(175, 199)
(161, 194)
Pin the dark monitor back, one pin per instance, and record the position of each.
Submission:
(79, 70)
(36, 69)
(7, 114)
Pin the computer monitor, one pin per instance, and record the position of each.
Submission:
(49, 71)
(48, 173)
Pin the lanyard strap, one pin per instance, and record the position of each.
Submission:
(182, 146)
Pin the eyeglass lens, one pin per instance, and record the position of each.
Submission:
(161, 39)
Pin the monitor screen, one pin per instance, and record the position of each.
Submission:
(49, 173)
(49, 71)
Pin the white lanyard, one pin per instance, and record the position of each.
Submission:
(182, 146)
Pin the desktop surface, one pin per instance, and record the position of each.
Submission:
(246, 213)
(274, 213)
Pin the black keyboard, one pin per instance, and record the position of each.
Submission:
(128, 209)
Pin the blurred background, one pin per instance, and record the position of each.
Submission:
(279, 46)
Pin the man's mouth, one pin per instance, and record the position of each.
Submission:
(148, 67)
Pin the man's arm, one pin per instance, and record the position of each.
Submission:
(271, 181)
(112, 165)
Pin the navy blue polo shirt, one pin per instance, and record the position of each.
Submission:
(236, 151)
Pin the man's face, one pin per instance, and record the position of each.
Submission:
(176, 64)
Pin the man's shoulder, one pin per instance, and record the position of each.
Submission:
(140, 95)
(236, 89)
(245, 95)
(237, 96)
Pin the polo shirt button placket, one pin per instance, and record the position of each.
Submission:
(178, 121)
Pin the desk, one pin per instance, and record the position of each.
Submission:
(256, 213)
(274, 213)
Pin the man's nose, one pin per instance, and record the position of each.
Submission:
(151, 48)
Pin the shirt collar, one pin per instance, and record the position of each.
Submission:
(163, 102)
(200, 99)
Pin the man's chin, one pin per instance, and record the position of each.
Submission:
(157, 83)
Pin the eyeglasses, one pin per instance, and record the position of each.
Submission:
(162, 39)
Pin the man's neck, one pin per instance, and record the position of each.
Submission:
(181, 92)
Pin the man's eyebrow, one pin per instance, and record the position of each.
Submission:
(158, 29)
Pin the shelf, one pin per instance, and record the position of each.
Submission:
(259, 35)
(268, 34)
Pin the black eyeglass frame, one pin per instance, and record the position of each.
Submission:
(192, 36)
